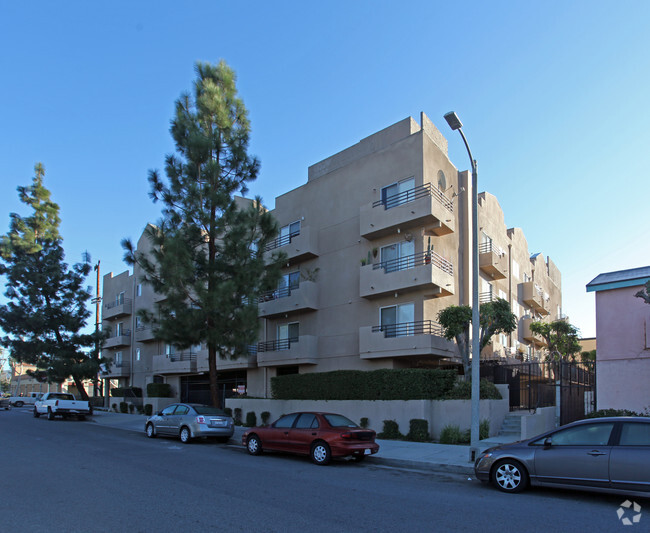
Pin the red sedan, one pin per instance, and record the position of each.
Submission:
(322, 436)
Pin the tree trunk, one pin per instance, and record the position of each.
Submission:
(214, 388)
(80, 387)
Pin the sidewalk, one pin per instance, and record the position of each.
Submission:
(443, 458)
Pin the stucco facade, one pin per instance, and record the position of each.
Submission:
(378, 242)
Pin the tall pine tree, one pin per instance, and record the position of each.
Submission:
(208, 250)
(46, 310)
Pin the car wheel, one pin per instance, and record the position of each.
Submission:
(149, 430)
(185, 435)
(254, 445)
(358, 457)
(19, 404)
(320, 453)
(36, 413)
(50, 414)
(509, 476)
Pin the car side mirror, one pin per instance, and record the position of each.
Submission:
(547, 442)
(159, 413)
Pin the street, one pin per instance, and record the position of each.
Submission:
(72, 476)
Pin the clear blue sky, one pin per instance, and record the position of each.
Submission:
(553, 96)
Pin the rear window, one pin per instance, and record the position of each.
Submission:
(61, 396)
(207, 410)
(340, 421)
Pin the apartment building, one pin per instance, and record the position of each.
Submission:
(378, 242)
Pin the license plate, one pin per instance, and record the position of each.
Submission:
(367, 451)
(219, 423)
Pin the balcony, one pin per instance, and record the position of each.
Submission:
(298, 246)
(178, 363)
(289, 300)
(485, 297)
(119, 340)
(492, 261)
(409, 339)
(528, 335)
(532, 295)
(115, 309)
(144, 334)
(302, 350)
(427, 272)
(114, 369)
(241, 363)
(425, 205)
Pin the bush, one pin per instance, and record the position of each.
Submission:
(484, 429)
(140, 409)
(251, 419)
(265, 416)
(384, 384)
(114, 406)
(124, 407)
(159, 390)
(463, 391)
(228, 411)
(128, 392)
(237, 417)
(131, 408)
(363, 422)
(148, 409)
(418, 430)
(451, 434)
(611, 412)
(391, 430)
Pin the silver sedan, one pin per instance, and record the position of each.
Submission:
(599, 454)
(189, 421)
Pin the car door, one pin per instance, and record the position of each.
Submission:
(303, 433)
(629, 463)
(577, 455)
(163, 422)
(175, 420)
(277, 436)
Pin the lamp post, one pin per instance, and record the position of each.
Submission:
(455, 124)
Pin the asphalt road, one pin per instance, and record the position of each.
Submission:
(72, 476)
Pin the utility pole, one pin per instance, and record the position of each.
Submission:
(97, 300)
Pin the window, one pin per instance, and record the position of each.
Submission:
(398, 193)
(169, 410)
(170, 350)
(289, 332)
(397, 320)
(515, 269)
(181, 410)
(288, 231)
(398, 256)
(287, 283)
(137, 354)
(307, 421)
(635, 434)
(527, 277)
(138, 289)
(119, 329)
(138, 322)
(285, 421)
(118, 358)
(502, 295)
(582, 435)
(119, 299)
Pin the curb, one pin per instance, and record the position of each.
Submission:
(442, 468)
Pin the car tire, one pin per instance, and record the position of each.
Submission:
(50, 414)
(19, 404)
(185, 435)
(320, 453)
(150, 430)
(36, 413)
(509, 475)
(254, 445)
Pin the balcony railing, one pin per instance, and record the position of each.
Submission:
(283, 292)
(281, 241)
(415, 260)
(413, 194)
(404, 329)
(486, 297)
(276, 345)
(183, 356)
(111, 305)
(123, 333)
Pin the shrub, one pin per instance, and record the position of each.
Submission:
(611, 412)
(237, 417)
(124, 407)
(148, 409)
(251, 419)
(265, 416)
(114, 406)
(418, 430)
(363, 422)
(484, 429)
(159, 390)
(140, 409)
(131, 408)
(391, 430)
(384, 384)
(228, 411)
(451, 434)
(463, 391)
(117, 392)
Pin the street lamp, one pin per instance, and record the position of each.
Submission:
(455, 124)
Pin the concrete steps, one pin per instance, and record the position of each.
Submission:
(511, 426)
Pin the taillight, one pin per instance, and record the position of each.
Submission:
(346, 435)
(200, 419)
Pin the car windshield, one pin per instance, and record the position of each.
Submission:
(207, 410)
(340, 421)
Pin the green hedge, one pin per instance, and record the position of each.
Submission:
(463, 391)
(120, 392)
(159, 390)
(385, 384)
(612, 412)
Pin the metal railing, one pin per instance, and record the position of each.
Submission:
(183, 356)
(281, 241)
(283, 292)
(486, 297)
(412, 261)
(111, 305)
(123, 333)
(421, 191)
(276, 345)
(405, 329)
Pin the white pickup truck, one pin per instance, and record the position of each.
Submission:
(61, 404)
(29, 399)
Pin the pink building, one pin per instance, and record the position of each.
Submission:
(623, 340)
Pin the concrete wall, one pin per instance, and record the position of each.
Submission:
(437, 413)
(534, 424)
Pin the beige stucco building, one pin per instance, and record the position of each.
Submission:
(378, 242)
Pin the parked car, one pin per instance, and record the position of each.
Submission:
(189, 421)
(29, 399)
(322, 436)
(599, 454)
(5, 403)
(61, 404)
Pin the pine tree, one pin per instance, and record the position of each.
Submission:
(46, 310)
(208, 250)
